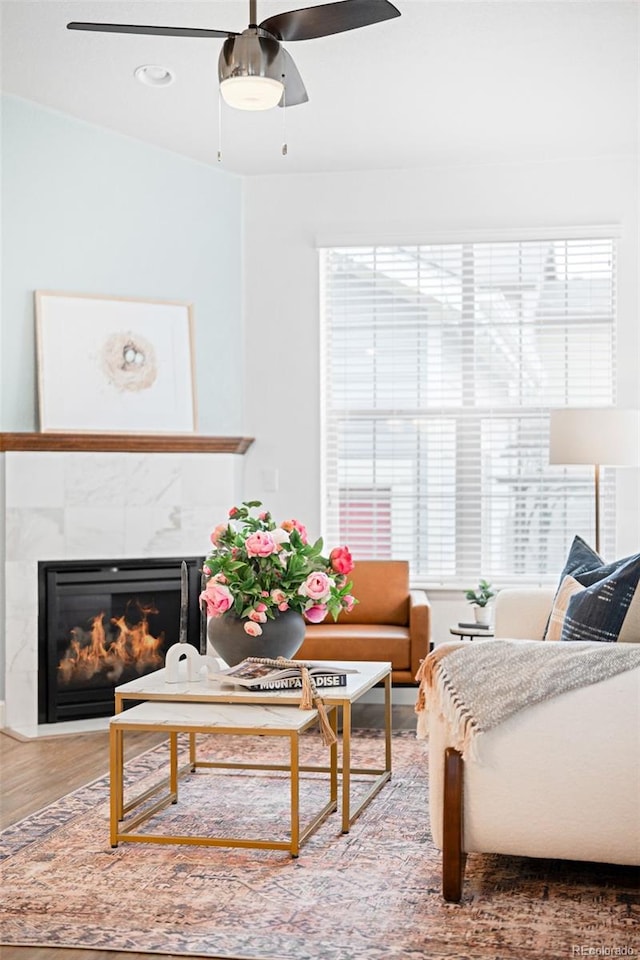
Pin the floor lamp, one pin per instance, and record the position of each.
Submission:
(600, 437)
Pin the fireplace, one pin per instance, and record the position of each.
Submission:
(105, 622)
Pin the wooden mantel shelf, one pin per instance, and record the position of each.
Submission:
(124, 443)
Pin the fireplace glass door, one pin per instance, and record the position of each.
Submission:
(103, 623)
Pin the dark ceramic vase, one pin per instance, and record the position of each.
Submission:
(281, 637)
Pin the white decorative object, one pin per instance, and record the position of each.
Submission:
(194, 663)
(116, 365)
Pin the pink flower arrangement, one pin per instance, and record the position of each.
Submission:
(257, 569)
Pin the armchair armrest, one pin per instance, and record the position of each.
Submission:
(419, 627)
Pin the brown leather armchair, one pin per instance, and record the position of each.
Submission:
(390, 622)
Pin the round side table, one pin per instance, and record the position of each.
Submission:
(471, 632)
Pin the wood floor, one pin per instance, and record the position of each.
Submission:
(37, 772)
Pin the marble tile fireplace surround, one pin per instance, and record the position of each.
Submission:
(84, 497)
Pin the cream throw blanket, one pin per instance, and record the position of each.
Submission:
(476, 686)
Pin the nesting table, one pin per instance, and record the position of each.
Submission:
(208, 706)
(216, 719)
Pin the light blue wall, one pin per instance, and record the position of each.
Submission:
(90, 211)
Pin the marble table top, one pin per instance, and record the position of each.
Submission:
(155, 686)
(211, 715)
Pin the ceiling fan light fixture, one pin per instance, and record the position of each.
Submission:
(254, 70)
(251, 71)
(252, 92)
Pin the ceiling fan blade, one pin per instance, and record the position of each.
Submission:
(151, 31)
(294, 89)
(328, 18)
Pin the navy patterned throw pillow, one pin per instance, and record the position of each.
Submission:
(581, 559)
(586, 566)
(607, 608)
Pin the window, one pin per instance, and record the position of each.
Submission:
(441, 363)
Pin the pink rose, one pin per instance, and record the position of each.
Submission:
(206, 570)
(282, 606)
(260, 544)
(219, 532)
(341, 561)
(348, 603)
(233, 511)
(257, 616)
(278, 595)
(220, 578)
(217, 597)
(317, 586)
(265, 515)
(253, 629)
(316, 613)
(261, 607)
(290, 525)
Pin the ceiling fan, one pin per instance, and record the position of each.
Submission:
(254, 70)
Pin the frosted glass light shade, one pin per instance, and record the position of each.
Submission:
(252, 92)
(604, 436)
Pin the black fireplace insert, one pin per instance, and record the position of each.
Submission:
(105, 622)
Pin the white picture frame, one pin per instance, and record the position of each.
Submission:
(114, 365)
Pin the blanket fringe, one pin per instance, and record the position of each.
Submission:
(425, 677)
(435, 689)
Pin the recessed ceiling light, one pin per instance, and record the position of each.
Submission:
(153, 75)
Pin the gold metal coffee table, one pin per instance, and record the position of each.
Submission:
(216, 719)
(154, 687)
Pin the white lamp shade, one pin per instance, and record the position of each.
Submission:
(604, 436)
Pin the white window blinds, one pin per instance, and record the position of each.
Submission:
(441, 363)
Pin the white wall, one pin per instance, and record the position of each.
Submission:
(90, 211)
(284, 217)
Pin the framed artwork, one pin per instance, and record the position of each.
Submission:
(114, 365)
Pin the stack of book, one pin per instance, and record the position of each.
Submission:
(260, 676)
(475, 626)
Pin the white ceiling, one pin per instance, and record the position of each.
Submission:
(450, 81)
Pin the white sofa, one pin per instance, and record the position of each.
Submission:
(560, 779)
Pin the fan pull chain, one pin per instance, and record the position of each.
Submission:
(219, 126)
(285, 148)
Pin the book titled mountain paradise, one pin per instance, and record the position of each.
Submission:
(261, 676)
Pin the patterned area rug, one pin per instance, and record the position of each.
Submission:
(373, 894)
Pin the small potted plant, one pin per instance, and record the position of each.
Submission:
(479, 598)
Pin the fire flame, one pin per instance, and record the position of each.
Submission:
(111, 652)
